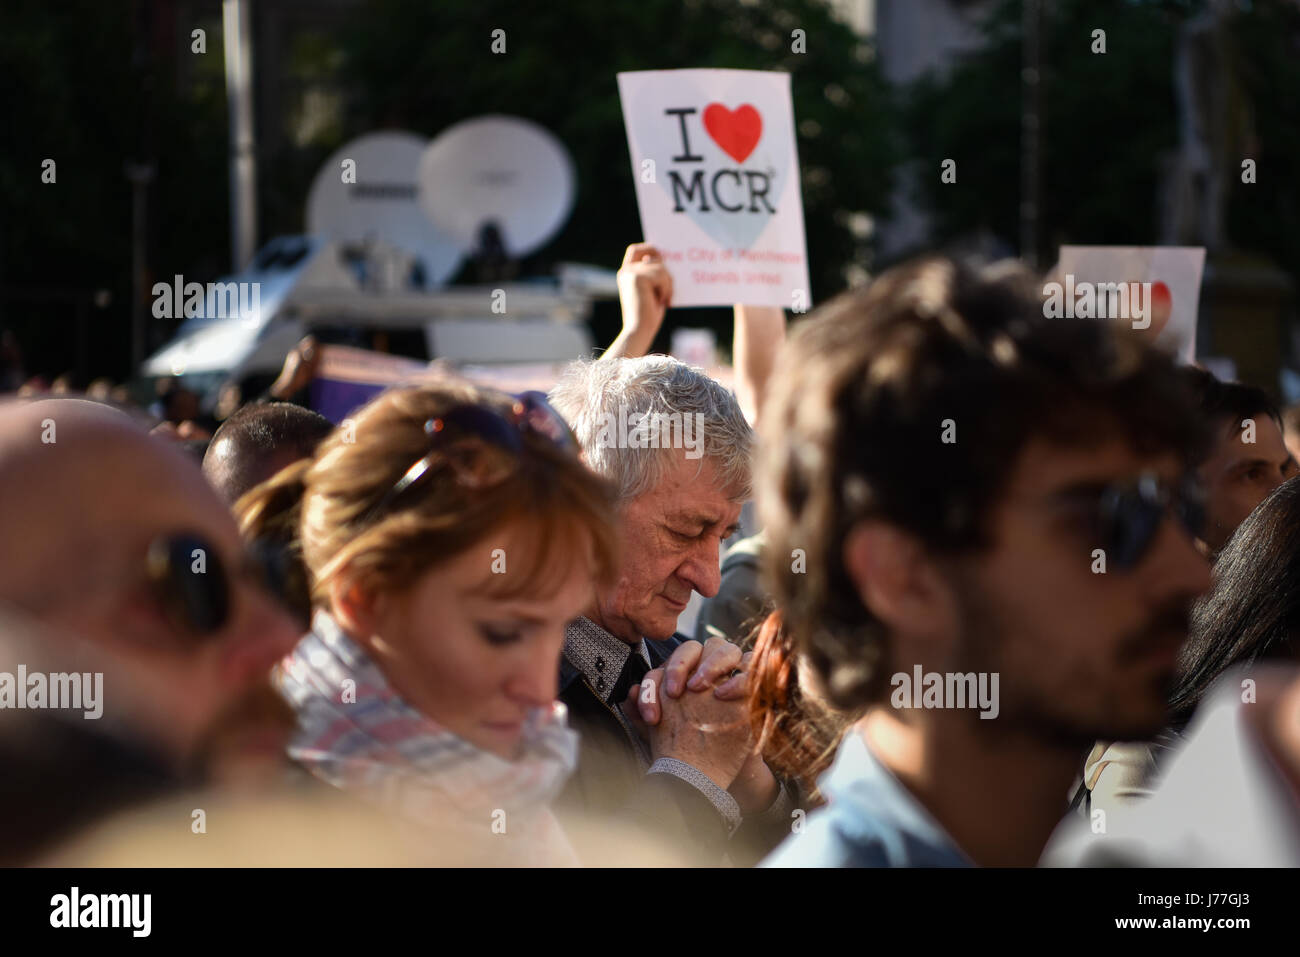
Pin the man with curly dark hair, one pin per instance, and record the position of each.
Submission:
(981, 528)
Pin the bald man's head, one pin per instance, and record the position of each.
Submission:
(259, 440)
(88, 500)
(78, 481)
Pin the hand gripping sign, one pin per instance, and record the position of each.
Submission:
(717, 183)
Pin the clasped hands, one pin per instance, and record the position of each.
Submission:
(693, 709)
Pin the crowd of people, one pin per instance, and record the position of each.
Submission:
(981, 587)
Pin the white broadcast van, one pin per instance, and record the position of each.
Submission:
(370, 296)
(390, 218)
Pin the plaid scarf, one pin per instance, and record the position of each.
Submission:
(364, 737)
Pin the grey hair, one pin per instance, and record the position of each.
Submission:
(591, 394)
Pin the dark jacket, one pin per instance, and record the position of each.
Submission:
(611, 785)
(63, 775)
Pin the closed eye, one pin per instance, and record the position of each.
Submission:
(500, 636)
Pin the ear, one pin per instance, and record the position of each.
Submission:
(353, 607)
(896, 579)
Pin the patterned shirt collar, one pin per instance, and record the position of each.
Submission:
(598, 655)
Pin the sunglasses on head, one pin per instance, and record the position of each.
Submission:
(474, 465)
(191, 584)
(1126, 515)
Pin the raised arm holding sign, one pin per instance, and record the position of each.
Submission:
(645, 291)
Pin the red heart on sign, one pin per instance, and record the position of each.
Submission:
(1160, 295)
(737, 131)
(1161, 306)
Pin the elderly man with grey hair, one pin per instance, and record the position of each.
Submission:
(666, 744)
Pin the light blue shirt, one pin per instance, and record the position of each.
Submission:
(870, 820)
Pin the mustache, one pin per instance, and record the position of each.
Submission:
(1174, 617)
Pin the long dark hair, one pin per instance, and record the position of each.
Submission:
(1252, 612)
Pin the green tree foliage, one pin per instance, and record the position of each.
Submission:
(1108, 122)
(82, 88)
(1264, 217)
(1106, 119)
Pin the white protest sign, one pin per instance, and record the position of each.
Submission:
(717, 183)
(1174, 274)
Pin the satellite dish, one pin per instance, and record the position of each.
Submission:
(382, 203)
(501, 178)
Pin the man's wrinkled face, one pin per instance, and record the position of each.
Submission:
(1082, 653)
(1240, 473)
(671, 540)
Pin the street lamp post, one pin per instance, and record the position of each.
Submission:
(239, 99)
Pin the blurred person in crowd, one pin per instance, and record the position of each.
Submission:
(1244, 461)
(190, 438)
(1247, 457)
(1228, 797)
(291, 385)
(997, 512)
(682, 763)
(35, 386)
(1251, 614)
(115, 538)
(120, 395)
(64, 384)
(250, 447)
(490, 260)
(1291, 429)
(181, 419)
(449, 537)
(296, 375)
(257, 441)
(12, 375)
(100, 390)
(176, 403)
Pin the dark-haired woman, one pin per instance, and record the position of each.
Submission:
(1251, 614)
